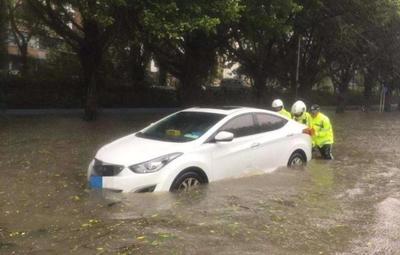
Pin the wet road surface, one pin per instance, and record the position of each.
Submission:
(347, 206)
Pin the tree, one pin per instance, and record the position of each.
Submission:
(342, 51)
(23, 26)
(132, 56)
(380, 45)
(255, 38)
(88, 26)
(128, 60)
(185, 36)
(312, 24)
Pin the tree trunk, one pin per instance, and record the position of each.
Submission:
(305, 88)
(190, 91)
(139, 61)
(198, 62)
(162, 76)
(343, 89)
(259, 87)
(90, 61)
(368, 84)
(24, 59)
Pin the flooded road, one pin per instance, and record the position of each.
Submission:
(347, 206)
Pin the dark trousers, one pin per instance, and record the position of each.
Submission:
(326, 151)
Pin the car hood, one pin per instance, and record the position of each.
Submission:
(131, 150)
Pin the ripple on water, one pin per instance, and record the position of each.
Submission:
(385, 233)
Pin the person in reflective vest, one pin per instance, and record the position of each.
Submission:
(322, 132)
(300, 114)
(277, 106)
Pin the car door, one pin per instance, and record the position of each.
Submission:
(235, 158)
(272, 139)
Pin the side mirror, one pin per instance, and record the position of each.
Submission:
(224, 136)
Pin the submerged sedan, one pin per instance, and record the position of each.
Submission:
(200, 145)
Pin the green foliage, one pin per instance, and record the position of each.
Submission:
(80, 22)
(338, 38)
(173, 19)
(254, 39)
(264, 20)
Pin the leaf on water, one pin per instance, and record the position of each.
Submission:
(140, 237)
(75, 198)
(165, 235)
(91, 223)
(17, 234)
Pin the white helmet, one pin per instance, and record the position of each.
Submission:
(298, 108)
(277, 103)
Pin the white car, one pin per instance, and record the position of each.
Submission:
(197, 146)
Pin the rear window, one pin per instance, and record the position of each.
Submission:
(268, 122)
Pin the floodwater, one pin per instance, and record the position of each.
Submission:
(347, 206)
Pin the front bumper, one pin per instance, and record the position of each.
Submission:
(122, 183)
(126, 181)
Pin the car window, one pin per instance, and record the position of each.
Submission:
(182, 127)
(241, 126)
(268, 122)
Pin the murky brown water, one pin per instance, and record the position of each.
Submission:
(347, 206)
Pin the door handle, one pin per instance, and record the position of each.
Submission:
(289, 135)
(255, 145)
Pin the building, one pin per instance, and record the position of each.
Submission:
(35, 50)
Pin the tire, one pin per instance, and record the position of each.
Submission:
(297, 160)
(187, 181)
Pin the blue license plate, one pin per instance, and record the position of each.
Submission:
(96, 182)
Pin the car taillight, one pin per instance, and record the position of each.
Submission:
(307, 131)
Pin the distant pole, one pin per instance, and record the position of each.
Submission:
(384, 98)
(297, 66)
(380, 99)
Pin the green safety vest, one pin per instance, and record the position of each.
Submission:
(305, 119)
(323, 130)
(285, 113)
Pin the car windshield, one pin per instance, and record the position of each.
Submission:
(182, 127)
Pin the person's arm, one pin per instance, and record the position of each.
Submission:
(324, 129)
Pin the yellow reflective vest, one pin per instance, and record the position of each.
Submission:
(323, 133)
(305, 119)
(285, 113)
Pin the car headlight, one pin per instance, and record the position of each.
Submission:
(154, 165)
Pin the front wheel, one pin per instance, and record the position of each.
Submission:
(186, 182)
(297, 160)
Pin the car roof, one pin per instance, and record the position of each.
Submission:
(226, 110)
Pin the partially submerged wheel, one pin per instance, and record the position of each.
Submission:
(297, 160)
(187, 181)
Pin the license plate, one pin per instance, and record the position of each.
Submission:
(96, 182)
